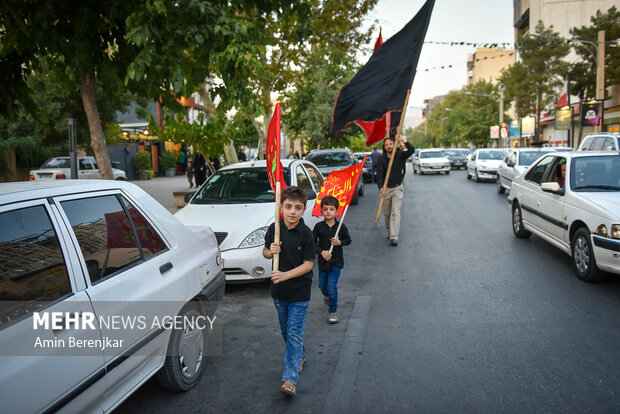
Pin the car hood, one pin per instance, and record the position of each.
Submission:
(435, 160)
(457, 158)
(238, 220)
(488, 163)
(608, 201)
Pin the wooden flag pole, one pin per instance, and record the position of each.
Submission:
(344, 213)
(276, 239)
(387, 175)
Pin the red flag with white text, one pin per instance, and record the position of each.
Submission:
(272, 154)
(341, 184)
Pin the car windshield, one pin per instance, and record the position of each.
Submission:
(528, 157)
(432, 154)
(595, 173)
(491, 155)
(57, 163)
(454, 153)
(236, 186)
(330, 159)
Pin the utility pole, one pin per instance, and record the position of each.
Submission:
(600, 76)
(501, 112)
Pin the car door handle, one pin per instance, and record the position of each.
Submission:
(165, 267)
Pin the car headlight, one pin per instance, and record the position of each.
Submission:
(615, 231)
(256, 238)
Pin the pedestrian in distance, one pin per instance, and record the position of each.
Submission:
(182, 162)
(393, 195)
(241, 155)
(374, 156)
(291, 283)
(190, 173)
(330, 264)
(200, 169)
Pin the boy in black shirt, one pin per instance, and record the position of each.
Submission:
(291, 283)
(330, 265)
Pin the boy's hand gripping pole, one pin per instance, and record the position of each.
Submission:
(344, 213)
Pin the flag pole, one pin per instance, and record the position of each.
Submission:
(276, 257)
(344, 213)
(387, 175)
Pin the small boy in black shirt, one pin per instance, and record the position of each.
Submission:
(291, 284)
(330, 265)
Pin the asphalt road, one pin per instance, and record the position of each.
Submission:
(460, 317)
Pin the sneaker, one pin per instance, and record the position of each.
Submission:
(394, 242)
(333, 318)
(326, 301)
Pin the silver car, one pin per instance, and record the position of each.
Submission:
(87, 269)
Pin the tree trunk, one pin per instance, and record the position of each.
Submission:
(89, 100)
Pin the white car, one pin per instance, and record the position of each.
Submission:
(484, 163)
(600, 141)
(579, 214)
(238, 204)
(58, 168)
(516, 162)
(430, 160)
(86, 269)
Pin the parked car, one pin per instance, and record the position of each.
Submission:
(329, 160)
(238, 204)
(58, 168)
(579, 214)
(430, 160)
(457, 157)
(93, 250)
(368, 175)
(601, 141)
(483, 164)
(516, 162)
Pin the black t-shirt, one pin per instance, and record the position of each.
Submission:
(323, 235)
(297, 247)
(398, 166)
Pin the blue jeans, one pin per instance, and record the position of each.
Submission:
(292, 317)
(328, 283)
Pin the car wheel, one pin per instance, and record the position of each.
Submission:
(476, 178)
(500, 187)
(121, 179)
(185, 357)
(355, 199)
(361, 190)
(467, 174)
(517, 223)
(583, 257)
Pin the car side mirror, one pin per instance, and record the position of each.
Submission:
(469, 157)
(311, 194)
(510, 164)
(188, 196)
(551, 187)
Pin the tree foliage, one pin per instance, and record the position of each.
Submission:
(583, 72)
(540, 70)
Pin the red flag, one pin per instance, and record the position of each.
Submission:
(341, 184)
(379, 41)
(274, 165)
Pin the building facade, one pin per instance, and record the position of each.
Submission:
(487, 63)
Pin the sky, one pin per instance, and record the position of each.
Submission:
(482, 21)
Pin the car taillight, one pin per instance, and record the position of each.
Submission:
(60, 176)
(31, 177)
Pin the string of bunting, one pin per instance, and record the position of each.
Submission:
(462, 63)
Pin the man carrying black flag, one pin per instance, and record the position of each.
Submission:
(393, 194)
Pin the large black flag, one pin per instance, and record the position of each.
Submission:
(382, 83)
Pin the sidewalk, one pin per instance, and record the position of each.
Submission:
(161, 189)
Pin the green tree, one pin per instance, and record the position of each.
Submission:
(294, 43)
(159, 50)
(539, 72)
(583, 73)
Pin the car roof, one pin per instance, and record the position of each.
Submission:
(431, 149)
(286, 162)
(581, 154)
(12, 192)
(322, 151)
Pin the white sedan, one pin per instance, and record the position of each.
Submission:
(58, 168)
(579, 214)
(90, 271)
(238, 204)
(516, 162)
(484, 163)
(430, 160)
